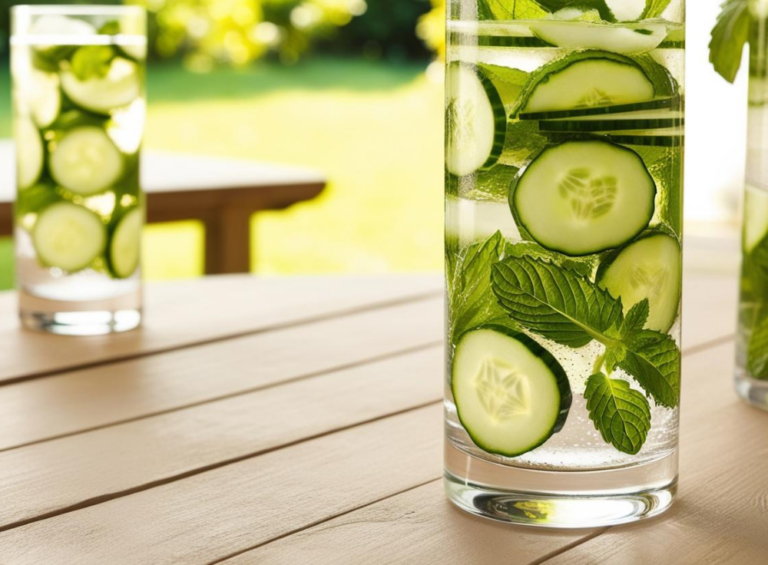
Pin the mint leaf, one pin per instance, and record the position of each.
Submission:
(653, 360)
(654, 8)
(584, 267)
(92, 61)
(509, 10)
(471, 301)
(555, 302)
(110, 28)
(586, 5)
(635, 318)
(620, 414)
(728, 38)
(757, 350)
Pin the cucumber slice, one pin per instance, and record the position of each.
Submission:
(755, 218)
(626, 39)
(125, 244)
(476, 121)
(511, 395)
(587, 79)
(85, 161)
(68, 236)
(583, 197)
(666, 137)
(651, 268)
(44, 98)
(29, 153)
(120, 87)
(671, 102)
(650, 120)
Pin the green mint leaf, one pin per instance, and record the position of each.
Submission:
(586, 5)
(471, 301)
(621, 415)
(584, 267)
(509, 10)
(654, 8)
(555, 302)
(653, 360)
(635, 319)
(728, 38)
(757, 350)
(92, 61)
(613, 356)
(110, 28)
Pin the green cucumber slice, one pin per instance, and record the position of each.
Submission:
(125, 244)
(755, 218)
(511, 394)
(30, 153)
(44, 98)
(621, 38)
(583, 197)
(476, 121)
(671, 102)
(85, 161)
(120, 87)
(587, 79)
(649, 120)
(68, 236)
(651, 268)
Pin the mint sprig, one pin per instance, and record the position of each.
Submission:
(92, 61)
(621, 415)
(729, 35)
(555, 302)
(471, 301)
(654, 8)
(757, 350)
(569, 309)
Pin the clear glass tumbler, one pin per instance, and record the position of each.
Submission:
(752, 342)
(78, 76)
(564, 181)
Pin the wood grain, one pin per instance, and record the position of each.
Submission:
(107, 463)
(182, 314)
(721, 515)
(230, 509)
(100, 396)
(419, 526)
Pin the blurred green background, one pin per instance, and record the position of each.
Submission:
(347, 87)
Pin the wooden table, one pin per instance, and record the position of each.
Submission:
(222, 193)
(291, 421)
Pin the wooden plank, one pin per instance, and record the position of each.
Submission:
(181, 314)
(124, 391)
(709, 308)
(722, 513)
(215, 514)
(49, 477)
(418, 526)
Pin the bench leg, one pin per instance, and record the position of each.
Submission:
(227, 242)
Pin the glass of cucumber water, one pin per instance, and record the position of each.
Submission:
(564, 169)
(78, 111)
(752, 342)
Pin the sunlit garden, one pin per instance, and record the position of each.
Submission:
(340, 86)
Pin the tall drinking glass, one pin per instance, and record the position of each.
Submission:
(564, 176)
(78, 108)
(752, 343)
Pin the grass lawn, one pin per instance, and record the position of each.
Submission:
(375, 130)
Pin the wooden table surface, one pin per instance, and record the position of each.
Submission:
(290, 421)
(222, 193)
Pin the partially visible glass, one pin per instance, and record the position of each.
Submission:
(564, 177)
(752, 339)
(78, 81)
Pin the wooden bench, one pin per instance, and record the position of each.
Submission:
(222, 193)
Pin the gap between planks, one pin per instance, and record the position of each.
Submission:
(370, 307)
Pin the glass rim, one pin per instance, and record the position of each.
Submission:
(77, 9)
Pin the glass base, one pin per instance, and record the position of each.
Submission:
(560, 499)
(102, 317)
(753, 391)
